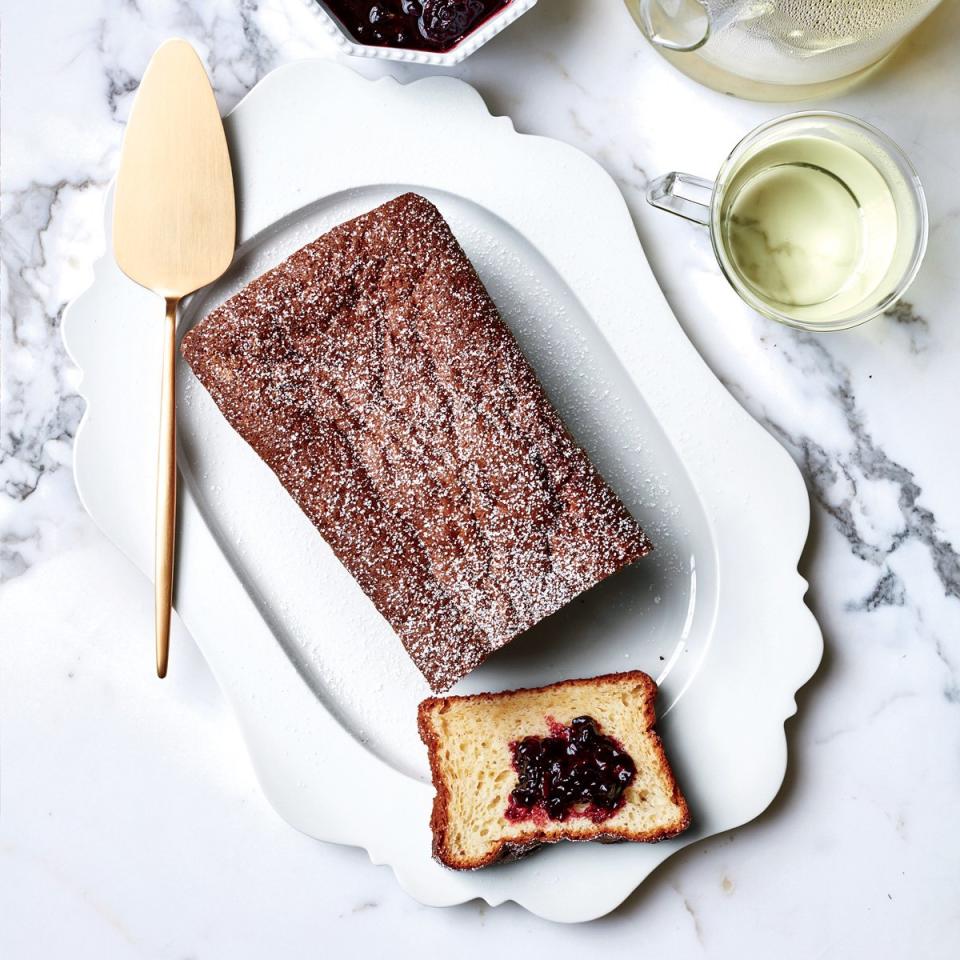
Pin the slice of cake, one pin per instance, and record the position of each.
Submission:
(577, 760)
(373, 374)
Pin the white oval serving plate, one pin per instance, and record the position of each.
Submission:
(319, 683)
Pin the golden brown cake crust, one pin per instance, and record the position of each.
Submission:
(374, 375)
(518, 846)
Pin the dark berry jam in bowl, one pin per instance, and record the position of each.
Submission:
(430, 28)
(576, 771)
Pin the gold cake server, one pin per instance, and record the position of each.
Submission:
(174, 231)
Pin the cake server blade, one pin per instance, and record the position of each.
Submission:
(174, 231)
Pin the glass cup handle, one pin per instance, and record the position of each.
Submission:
(683, 194)
(679, 25)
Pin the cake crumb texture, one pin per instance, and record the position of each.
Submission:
(469, 742)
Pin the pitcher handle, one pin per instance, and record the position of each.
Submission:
(680, 25)
(683, 194)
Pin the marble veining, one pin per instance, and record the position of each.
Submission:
(866, 820)
(918, 329)
(835, 478)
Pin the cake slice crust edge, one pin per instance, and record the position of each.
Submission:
(507, 848)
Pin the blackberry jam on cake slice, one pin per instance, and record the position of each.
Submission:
(576, 760)
(373, 374)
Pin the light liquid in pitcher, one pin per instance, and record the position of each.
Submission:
(807, 41)
(809, 225)
(785, 49)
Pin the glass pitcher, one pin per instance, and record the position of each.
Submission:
(777, 49)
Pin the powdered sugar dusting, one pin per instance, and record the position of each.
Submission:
(373, 374)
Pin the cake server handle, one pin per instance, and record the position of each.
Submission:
(166, 491)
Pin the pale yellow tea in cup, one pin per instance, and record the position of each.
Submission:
(810, 223)
(817, 220)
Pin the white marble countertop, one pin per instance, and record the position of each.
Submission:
(131, 824)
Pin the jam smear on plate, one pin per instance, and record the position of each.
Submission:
(577, 771)
(433, 25)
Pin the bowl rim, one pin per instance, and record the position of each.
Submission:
(466, 45)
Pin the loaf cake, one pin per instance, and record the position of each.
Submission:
(374, 375)
(576, 760)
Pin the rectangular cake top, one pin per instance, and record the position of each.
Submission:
(373, 373)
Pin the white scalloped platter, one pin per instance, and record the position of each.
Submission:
(317, 679)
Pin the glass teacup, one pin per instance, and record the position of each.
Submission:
(818, 220)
